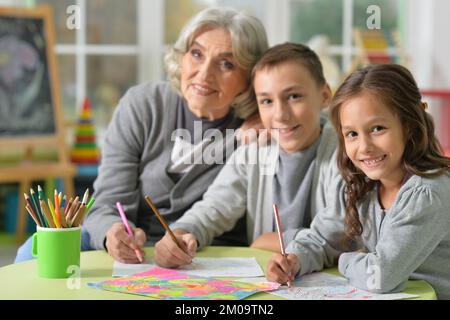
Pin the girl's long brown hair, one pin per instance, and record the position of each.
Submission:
(395, 86)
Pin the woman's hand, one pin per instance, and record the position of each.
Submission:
(282, 269)
(169, 255)
(267, 241)
(121, 246)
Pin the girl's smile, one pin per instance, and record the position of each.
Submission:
(374, 138)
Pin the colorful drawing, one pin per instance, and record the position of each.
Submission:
(168, 284)
(322, 286)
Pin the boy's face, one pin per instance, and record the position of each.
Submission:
(290, 101)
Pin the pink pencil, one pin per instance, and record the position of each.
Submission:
(280, 236)
(127, 226)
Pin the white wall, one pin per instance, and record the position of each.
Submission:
(428, 42)
(428, 46)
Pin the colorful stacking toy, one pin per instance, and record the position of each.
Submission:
(85, 150)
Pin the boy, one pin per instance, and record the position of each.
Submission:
(291, 92)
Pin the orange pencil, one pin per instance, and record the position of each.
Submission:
(58, 216)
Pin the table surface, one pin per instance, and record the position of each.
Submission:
(20, 281)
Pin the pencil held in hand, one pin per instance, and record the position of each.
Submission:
(280, 235)
(163, 221)
(127, 226)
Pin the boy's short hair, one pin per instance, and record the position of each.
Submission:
(289, 51)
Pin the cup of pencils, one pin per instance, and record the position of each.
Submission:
(57, 241)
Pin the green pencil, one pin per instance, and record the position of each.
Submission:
(35, 201)
(41, 193)
(90, 203)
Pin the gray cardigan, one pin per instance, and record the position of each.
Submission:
(243, 189)
(135, 157)
(410, 240)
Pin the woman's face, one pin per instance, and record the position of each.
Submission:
(210, 76)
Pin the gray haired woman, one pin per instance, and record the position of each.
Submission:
(209, 70)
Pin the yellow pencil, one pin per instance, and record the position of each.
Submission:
(47, 214)
(52, 210)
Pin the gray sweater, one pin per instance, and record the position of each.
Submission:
(244, 188)
(135, 157)
(411, 240)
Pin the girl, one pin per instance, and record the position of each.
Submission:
(291, 92)
(393, 220)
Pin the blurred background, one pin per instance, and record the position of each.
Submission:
(121, 43)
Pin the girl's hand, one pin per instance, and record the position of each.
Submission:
(121, 246)
(282, 269)
(169, 255)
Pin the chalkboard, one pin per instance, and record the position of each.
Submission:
(27, 104)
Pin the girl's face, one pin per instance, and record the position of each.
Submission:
(290, 101)
(210, 76)
(374, 138)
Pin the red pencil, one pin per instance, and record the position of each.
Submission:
(280, 236)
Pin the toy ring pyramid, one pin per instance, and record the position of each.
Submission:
(85, 150)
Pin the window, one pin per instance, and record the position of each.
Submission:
(98, 60)
(121, 43)
(336, 19)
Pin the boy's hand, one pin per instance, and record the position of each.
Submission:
(169, 255)
(282, 269)
(267, 241)
(121, 246)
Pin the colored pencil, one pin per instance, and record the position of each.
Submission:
(28, 201)
(41, 193)
(72, 210)
(63, 203)
(33, 215)
(78, 217)
(85, 196)
(62, 215)
(52, 211)
(47, 214)
(280, 235)
(162, 221)
(67, 207)
(57, 215)
(35, 201)
(127, 226)
(91, 202)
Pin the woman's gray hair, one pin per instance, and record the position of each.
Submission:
(248, 39)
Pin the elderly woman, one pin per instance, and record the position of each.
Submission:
(209, 68)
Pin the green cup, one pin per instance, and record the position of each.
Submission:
(57, 251)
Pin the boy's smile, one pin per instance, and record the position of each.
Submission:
(290, 101)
